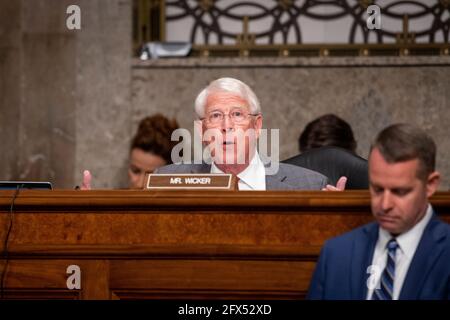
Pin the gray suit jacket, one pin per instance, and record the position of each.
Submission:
(288, 177)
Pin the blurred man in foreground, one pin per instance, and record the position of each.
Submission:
(405, 254)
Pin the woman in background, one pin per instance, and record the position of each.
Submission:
(150, 148)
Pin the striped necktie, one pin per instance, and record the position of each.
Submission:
(386, 287)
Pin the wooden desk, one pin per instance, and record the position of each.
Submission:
(137, 244)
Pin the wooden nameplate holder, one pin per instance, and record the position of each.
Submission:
(191, 181)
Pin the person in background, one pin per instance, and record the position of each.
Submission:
(327, 130)
(327, 145)
(150, 149)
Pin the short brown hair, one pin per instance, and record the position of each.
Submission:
(402, 142)
(154, 135)
(327, 130)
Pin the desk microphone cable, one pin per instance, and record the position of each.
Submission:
(5, 243)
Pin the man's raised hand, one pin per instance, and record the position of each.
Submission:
(340, 185)
(87, 177)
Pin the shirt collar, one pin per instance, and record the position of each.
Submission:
(254, 176)
(409, 240)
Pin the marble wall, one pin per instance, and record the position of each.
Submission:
(9, 88)
(64, 92)
(71, 99)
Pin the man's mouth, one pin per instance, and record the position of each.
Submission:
(385, 219)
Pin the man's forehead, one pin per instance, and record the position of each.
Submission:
(380, 168)
(376, 159)
(225, 99)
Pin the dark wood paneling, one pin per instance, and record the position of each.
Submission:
(234, 278)
(136, 245)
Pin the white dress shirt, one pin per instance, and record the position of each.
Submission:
(407, 245)
(252, 178)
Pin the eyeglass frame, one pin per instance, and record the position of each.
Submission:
(228, 115)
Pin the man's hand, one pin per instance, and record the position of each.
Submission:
(87, 177)
(340, 185)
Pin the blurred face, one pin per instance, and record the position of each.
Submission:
(142, 162)
(226, 129)
(399, 198)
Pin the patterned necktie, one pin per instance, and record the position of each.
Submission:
(386, 288)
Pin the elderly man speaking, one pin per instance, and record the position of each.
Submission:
(231, 122)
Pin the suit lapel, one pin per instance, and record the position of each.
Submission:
(428, 250)
(201, 168)
(362, 253)
(275, 181)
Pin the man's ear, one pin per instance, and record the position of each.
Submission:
(433, 181)
(258, 125)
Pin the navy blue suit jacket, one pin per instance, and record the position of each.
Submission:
(341, 272)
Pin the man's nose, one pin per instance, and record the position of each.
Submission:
(227, 123)
(386, 201)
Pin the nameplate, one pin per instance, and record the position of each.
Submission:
(194, 181)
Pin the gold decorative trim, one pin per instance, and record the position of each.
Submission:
(321, 50)
(405, 36)
(245, 38)
(149, 22)
(150, 26)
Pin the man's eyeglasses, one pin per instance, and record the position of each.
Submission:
(237, 116)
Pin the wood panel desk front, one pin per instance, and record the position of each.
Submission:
(137, 244)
